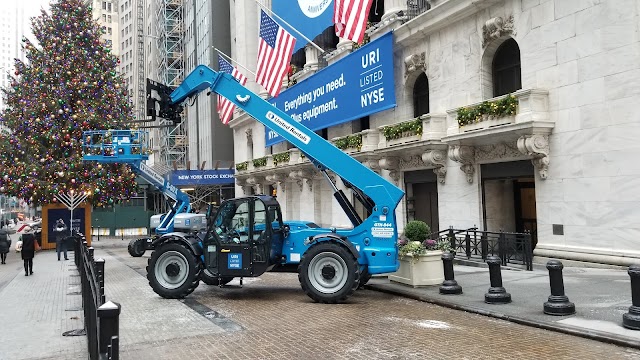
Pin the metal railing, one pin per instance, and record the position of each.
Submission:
(101, 318)
(512, 248)
(415, 8)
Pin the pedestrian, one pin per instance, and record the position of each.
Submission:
(5, 243)
(29, 246)
(60, 231)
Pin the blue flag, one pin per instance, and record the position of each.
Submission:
(310, 17)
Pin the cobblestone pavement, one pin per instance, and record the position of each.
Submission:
(271, 318)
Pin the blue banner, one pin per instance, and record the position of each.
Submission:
(356, 86)
(202, 177)
(310, 17)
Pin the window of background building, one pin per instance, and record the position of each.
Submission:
(421, 96)
(506, 69)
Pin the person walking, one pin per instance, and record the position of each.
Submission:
(5, 243)
(28, 249)
(60, 231)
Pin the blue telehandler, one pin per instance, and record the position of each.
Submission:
(248, 236)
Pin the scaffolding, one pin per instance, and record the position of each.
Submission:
(173, 137)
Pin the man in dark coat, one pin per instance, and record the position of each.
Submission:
(61, 233)
(28, 250)
(5, 243)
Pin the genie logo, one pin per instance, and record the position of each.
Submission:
(313, 8)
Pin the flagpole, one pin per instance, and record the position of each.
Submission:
(286, 23)
(231, 59)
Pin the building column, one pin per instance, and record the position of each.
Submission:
(391, 7)
(311, 54)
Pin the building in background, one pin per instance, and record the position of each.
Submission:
(509, 115)
(210, 143)
(105, 12)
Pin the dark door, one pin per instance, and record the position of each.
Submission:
(425, 204)
(525, 207)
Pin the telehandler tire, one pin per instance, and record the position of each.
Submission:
(364, 277)
(209, 279)
(136, 247)
(328, 272)
(173, 270)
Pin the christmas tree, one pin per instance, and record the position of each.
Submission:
(68, 85)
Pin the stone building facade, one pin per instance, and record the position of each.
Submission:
(523, 116)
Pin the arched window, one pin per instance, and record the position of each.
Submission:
(421, 96)
(506, 69)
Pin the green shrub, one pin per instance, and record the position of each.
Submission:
(416, 230)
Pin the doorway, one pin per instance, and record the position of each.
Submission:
(509, 198)
(422, 198)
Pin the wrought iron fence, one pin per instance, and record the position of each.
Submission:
(512, 248)
(101, 319)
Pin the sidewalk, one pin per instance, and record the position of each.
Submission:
(601, 297)
(35, 310)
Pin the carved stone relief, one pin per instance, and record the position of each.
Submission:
(438, 159)
(412, 162)
(277, 179)
(538, 147)
(464, 155)
(389, 163)
(497, 27)
(414, 62)
(302, 176)
(497, 151)
(249, 133)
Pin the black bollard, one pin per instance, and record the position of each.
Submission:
(496, 294)
(558, 303)
(631, 320)
(449, 285)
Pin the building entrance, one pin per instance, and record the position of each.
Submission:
(509, 197)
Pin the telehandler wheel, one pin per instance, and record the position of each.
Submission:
(137, 247)
(328, 272)
(364, 277)
(173, 271)
(209, 279)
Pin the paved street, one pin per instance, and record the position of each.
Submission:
(269, 318)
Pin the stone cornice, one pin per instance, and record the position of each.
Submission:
(438, 17)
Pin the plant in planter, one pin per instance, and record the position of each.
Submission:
(420, 258)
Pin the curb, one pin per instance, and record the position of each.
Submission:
(570, 330)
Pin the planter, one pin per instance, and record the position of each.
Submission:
(403, 140)
(488, 122)
(426, 270)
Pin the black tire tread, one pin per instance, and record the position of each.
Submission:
(351, 261)
(213, 280)
(364, 278)
(136, 247)
(173, 294)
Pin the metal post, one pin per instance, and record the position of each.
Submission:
(449, 285)
(484, 243)
(98, 232)
(109, 314)
(99, 266)
(467, 240)
(558, 303)
(631, 320)
(496, 294)
(452, 238)
(114, 348)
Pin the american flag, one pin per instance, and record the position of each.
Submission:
(274, 54)
(350, 17)
(225, 107)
